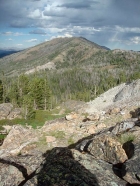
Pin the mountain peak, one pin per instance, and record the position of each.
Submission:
(58, 51)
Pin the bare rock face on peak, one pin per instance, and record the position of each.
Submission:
(130, 90)
(124, 95)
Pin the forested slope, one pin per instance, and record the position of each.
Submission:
(83, 70)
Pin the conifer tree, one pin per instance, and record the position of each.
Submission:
(40, 93)
(23, 87)
(28, 107)
(14, 94)
(47, 95)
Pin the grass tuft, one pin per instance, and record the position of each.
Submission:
(123, 138)
(58, 134)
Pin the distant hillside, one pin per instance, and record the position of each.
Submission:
(60, 52)
(64, 53)
(106, 48)
(71, 68)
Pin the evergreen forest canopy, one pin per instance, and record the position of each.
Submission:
(74, 78)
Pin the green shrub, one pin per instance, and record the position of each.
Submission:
(70, 140)
(58, 134)
(123, 138)
(2, 136)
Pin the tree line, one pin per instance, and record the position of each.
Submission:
(46, 89)
(29, 93)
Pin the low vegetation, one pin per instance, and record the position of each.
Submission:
(123, 138)
(58, 134)
(40, 118)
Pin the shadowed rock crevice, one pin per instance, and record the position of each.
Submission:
(135, 113)
(129, 149)
(117, 169)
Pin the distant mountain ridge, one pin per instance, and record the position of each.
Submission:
(64, 53)
(58, 51)
(5, 52)
(106, 48)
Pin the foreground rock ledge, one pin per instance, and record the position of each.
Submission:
(97, 160)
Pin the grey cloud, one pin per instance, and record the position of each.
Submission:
(124, 12)
(129, 35)
(53, 13)
(20, 23)
(103, 15)
(75, 5)
(79, 4)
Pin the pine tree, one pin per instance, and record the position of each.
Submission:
(14, 94)
(47, 95)
(40, 93)
(28, 107)
(23, 87)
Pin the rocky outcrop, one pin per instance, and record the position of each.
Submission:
(10, 174)
(124, 95)
(107, 148)
(7, 111)
(93, 117)
(70, 167)
(71, 116)
(129, 91)
(16, 170)
(123, 126)
(131, 168)
(15, 113)
(101, 159)
(17, 139)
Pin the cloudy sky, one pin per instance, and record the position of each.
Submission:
(112, 23)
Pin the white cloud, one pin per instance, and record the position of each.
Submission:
(19, 44)
(35, 14)
(9, 33)
(61, 36)
(10, 39)
(127, 29)
(135, 40)
(132, 40)
(18, 34)
(56, 30)
(31, 40)
(83, 29)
